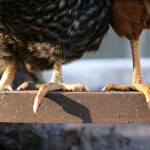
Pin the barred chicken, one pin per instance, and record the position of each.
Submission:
(44, 34)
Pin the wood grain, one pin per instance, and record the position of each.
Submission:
(77, 107)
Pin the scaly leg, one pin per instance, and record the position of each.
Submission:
(8, 76)
(138, 82)
(56, 83)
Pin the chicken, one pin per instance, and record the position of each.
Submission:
(129, 18)
(44, 34)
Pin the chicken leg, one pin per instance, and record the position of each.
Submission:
(138, 82)
(8, 76)
(56, 83)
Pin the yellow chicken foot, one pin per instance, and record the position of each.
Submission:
(117, 87)
(56, 84)
(8, 76)
(55, 87)
(138, 82)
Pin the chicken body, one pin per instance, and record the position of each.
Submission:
(41, 32)
(129, 18)
(44, 34)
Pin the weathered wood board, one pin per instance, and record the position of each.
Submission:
(77, 107)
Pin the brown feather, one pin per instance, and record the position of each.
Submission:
(130, 17)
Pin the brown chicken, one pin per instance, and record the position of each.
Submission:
(129, 19)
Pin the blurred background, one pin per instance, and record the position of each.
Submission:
(112, 63)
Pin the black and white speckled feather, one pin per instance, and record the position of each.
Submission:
(40, 32)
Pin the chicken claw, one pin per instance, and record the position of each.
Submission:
(55, 87)
(43, 89)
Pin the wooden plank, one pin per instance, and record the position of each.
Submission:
(77, 107)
